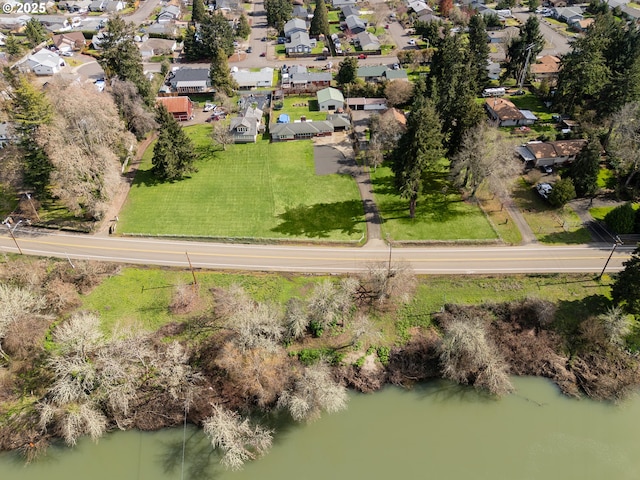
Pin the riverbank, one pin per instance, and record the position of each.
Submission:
(92, 347)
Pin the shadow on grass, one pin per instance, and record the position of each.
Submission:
(571, 313)
(146, 178)
(579, 236)
(318, 221)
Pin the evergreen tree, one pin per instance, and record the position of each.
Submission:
(121, 58)
(533, 5)
(529, 44)
(626, 287)
(419, 149)
(585, 168)
(173, 155)
(479, 50)
(35, 32)
(197, 11)
(279, 12)
(244, 29)
(347, 71)
(12, 46)
(221, 79)
(562, 193)
(320, 21)
(213, 33)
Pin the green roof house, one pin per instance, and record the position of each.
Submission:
(330, 99)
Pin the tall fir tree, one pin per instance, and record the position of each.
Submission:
(243, 29)
(197, 11)
(585, 168)
(221, 79)
(479, 50)
(528, 45)
(320, 21)
(347, 71)
(12, 45)
(279, 12)
(35, 32)
(418, 151)
(173, 153)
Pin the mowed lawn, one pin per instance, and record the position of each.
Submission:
(440, 215)
(260, 190)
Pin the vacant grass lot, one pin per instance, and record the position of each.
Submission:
(298, 105)
(260, 190)
(441, 214)
(549, 224)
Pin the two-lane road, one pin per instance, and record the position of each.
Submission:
(309, 259)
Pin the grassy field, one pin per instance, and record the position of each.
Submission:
(297, 105)
(600, 212)
(530, 102)
(260, 190)
(141, 297)
(549, 224)
(441, 214)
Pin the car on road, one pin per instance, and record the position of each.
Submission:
(544, 189)
(362, 56)
(264, 39)
(263, 54)
(249, 50)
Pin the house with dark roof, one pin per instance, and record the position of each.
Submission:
(506, 114)
(340, 121)
(560, 152)
(381, 73)
(350, 10)
(355, 24)
(297, 76)
(190, 80)
(294, 25)
(151, 47)
(180, 107)
(300, 130)
(368, 42)
(245, 128)
(300, 43)
(300, 11)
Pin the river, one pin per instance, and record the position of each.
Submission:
(436, 430)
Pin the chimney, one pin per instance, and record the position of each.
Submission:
(303, 118)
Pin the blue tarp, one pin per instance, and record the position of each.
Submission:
(284, 118)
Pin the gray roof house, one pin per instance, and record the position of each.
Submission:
(564, 14)
(114, 6)
(249, 79)
(300, 43)
(293, 26)
(190, 80)
(355, 24)
(342, 3)
(44, 62)
(340, 121)
(350, 10)
(380, 73)
(97, 6)
(368, 42)
(245, 128)
(168, 14)
(299, 130)
(157, 46)
(301, 12)
(165, 28)
(420, 7)
(330, 99)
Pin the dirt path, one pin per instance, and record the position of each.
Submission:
(118, 202)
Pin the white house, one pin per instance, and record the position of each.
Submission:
(45, 62)
(169, 14)
(293, 26)
(249, 79)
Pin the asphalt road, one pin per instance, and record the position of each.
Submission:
(556, 43)
(309, 259)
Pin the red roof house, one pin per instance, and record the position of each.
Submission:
(180, 107)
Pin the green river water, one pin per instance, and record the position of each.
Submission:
(436, 431)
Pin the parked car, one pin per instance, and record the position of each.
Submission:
(546, 169)
(412, 41)
(387, 26)
(249, 50)
(544, 189)
(263, 54)
(208, 107)
(66, 54)
(362, 56)
(396, 66)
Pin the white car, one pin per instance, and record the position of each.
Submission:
(412, 42)
(544, 189)
(66, 54)
(208, 107)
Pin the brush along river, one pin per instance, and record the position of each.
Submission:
(437, 430)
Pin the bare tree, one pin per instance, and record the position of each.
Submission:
(72, 421)
(383, 282)
(80, 335)
(174, 374)
(467, 356)
(617, 325)
(221, 134)
(226, 103)
(484, 156)
(236, 437)
(140, 119)
(296, 319)
(185, 299)
(329, 303)
(17, 303)
(314, 391)
(374, 153)
(398, 92)
(623, 144)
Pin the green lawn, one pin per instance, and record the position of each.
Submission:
(297, 105)
(260, 190)
(606, 178)
(530, 102)
(549, 224)
(333, 15)
(441, 214)
(600, 212)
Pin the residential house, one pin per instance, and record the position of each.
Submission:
(167, 28)
(342, 3)
(300, 11)
(45, 62)
(91, 24)
(362, 103)
(381, 73)
(300, 130)
(494, 70)
(427, 17)
(355, 24)
(113, 6)
(350, 10)
(180, 107)
(294, 25)
(340, 121)
(169, 13)
(368, 42)
(581, 25)
(228, 5)
(557, 3)
(330, 99)
(560, 152)
(420, 7)
(245, 128)
(68, 42)
(396, 116)
(300, 43)
(249, 79)
(567, 14)
(546, 68)
(506, 114)
(502, 36)
(297, 76)
(190, 80)
(98, 6)
(152, 47)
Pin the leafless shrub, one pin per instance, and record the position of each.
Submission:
(185, 299)
(17, 303)
(73, 421)
(314, 391)
(229, 300)
(467, 355)
(236, 437)
(363, 330)
(543, 311)
(79, 335)
(28, 273)
(175, 375)
(85, 274)
(24, 339)
(296, 319)
(382, 283)
(617, 325)
(329, 303)
(60, 296)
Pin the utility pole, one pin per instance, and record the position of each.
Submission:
(33, 206)
(12, 235)
(613, 249)
(195, 281)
